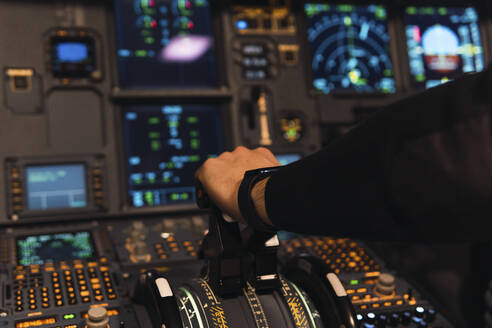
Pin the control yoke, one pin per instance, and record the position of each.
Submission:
(237, 257)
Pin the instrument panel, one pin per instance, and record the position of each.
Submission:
(107, 108)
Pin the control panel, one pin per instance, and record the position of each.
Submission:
(107, 109)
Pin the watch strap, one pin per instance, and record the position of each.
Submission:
(246, 203)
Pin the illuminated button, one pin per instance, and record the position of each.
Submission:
(56, 285)
(70, 289)
(106, 279)
(19, 298)
(19, 309)
(187, 243)
(32, 296)
(83, 287)
(363, 307)
(19, 303)
(19, 277)
(94, 281)
(376, 305)
(103, 269)
(57, 291)
(96, 286)
(32, 291)
(72, 301)
(32, 301)
(71, 295)
(350, 291)
(84, 293)
(32, 307)
(97, 292)
(45, 305)
(110, 290)
(99, 297)
(19, 292)
(69, 316)
(173, 244)
(111, 296)
(86, 299)
(192, 254)
(68, 278)
(67, 272)
(45, 299)
(387, 304)
(362, 290)
(355, 298)
(367, 296)
(78, 266)
(92, 264)
(412, 301)
(352, 264)
(82, 282)
(399, 302)
(163, 256)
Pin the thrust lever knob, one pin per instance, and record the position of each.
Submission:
(385, 284)
(97, 318)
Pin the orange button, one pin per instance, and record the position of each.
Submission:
(362, 290)
(84, 293)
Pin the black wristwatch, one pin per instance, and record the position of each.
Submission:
(246, 204)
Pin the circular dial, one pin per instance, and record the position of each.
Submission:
(350, 48)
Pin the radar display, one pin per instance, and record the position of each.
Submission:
(443, 44)
(350, 49)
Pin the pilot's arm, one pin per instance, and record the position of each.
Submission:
(418, 169)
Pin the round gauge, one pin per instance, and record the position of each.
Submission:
(350, 48)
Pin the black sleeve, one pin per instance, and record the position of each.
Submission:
(419, 169)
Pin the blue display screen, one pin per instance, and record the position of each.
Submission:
(72, 52)
(350, 48)
(165, 44)
(56, 187)
(443, 44)
(164, 146)
(286, 159)
(64, 246)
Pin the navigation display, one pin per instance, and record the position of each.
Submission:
(443, 43)
(164, 146)
(64, 246)
(350, 48)
(165, 44)
(56, 186)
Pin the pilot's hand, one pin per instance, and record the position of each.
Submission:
(222, 176)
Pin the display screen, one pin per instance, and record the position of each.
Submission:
(165, 44)
(350, 48)
(443, 43)
(164, 146)
(65, 246)
(286, 159)
(72, 57)
(56, 186)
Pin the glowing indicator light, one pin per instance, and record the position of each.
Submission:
(420, 309)
(354, 282)
(69, 316)
(371, 315)
(360, 317)
(241, 25)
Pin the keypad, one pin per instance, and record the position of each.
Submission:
(342, 255)
(39, 287)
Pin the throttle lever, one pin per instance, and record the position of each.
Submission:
(222, 248)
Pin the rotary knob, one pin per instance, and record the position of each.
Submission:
(385, 284)
(97, 318)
